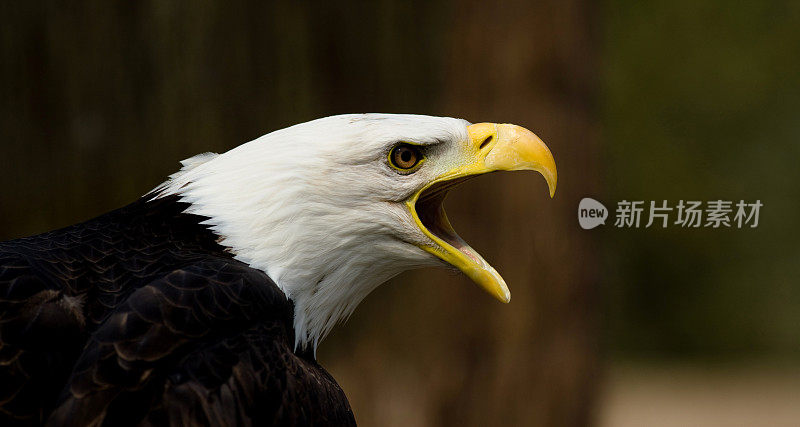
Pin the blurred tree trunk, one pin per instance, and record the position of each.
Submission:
(531, 63)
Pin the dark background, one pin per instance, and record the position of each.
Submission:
(692, 100)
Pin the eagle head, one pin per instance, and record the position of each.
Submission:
(330, 209)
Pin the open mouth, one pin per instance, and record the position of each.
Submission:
(448, 246)
(430, 210)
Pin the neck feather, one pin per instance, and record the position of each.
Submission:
(324, 253)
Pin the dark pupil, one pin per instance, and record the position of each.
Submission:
(405, 155)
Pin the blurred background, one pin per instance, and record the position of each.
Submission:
(692, 100)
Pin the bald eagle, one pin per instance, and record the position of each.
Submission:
(204, 301)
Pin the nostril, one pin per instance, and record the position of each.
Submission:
(485, 142)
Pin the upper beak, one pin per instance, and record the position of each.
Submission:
(512, 148)
(490, 147)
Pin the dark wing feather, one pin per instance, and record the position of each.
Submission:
(208, 344)
(41, 335)
(249, 379)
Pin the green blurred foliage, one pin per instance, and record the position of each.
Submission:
(701, 102)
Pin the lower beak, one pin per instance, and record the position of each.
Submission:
(490, 147)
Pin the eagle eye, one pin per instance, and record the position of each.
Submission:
(405, 156)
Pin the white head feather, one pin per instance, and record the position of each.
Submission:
(317, 207)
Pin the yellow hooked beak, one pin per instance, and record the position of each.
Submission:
(491, 147)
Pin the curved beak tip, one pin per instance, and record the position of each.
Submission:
(551, 185)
